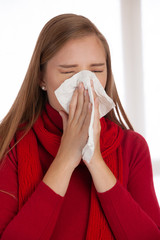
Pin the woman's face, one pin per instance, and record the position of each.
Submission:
(86, 53)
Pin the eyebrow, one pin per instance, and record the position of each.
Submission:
(76, 65)
(68, 66)
(97, 64)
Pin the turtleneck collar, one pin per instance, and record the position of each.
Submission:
(54, 123)
(55, 120)
(110, 132)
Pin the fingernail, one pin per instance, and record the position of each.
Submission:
(89, 105)
(80, 85)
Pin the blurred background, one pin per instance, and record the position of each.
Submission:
(132, 29)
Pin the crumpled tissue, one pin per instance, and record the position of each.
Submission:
(64, 95)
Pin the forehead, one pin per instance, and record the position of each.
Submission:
(80, 49)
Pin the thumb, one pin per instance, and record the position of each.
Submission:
(64, 117)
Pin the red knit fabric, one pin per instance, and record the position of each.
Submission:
(30, 172)
(98, 227)
(29, 168)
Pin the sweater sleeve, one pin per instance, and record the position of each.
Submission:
(38, 216)
(133, 212)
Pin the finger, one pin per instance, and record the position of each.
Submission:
(96, 113)
(64, 119)
(92, 86)
(72, 105)
(80, 102)
(97, 107)
(85, 108)
(87, 119)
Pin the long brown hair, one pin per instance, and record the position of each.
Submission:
(31, 99)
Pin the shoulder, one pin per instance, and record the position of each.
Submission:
(135, 149)
(11, 156)
(133, 139)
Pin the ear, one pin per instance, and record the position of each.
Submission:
(42, 82)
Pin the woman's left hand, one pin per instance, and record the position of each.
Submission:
(96, 130)
(102, 176)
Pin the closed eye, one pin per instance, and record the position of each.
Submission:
(67, 72)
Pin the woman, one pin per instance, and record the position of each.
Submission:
(46, 190)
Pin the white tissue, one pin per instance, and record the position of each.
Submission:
(64, 95)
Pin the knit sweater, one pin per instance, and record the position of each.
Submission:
(132, 210)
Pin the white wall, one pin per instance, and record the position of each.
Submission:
(151, 72)
(21, 22)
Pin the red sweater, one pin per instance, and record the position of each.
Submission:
(132, 210)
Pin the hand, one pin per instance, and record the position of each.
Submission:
(102, 176)
(75, 127)
(96, 130)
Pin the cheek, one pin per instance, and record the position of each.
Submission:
(103, 80)
(53, 79)
(53, 100)
(52, 83)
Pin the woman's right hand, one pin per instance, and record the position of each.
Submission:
(75, 127)
(74, 138)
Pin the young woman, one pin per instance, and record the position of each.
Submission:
(46, 190)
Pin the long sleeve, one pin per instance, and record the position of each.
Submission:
(37, 218)
(133, 211)
(39, 215)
